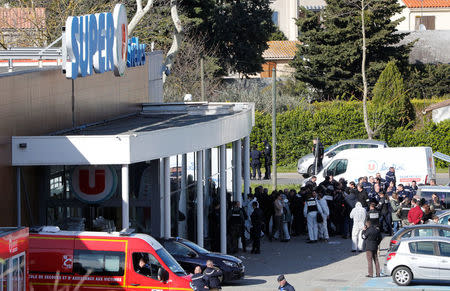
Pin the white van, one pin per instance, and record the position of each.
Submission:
(410, 163)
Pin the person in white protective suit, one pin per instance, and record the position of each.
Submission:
(358, 214)
(323, 229)
(311, 210)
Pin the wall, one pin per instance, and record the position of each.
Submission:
(40, 102)
(287, 13)
(441, 114)
(442, 18)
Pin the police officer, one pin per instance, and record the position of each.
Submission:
(198, 280)
(319, 154)
(390, 176)
(257, 222)
(267, 159)
(311, 210)
(255, 155)
(402, 193)
(362, 196)
(373, 215)
(212, 275)
(236, 221)
(367, 186)
(384, 206)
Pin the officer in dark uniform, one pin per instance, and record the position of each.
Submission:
(267, 159)
(373, 215)
(402, 193)
(257, 218)
(384, 206)
(212, 275)
(198, 280)
(368, 187)
(255, 155)
(235, 221)
(390, 176)
(319, 154)
(362, 196)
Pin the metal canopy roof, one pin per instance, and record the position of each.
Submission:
(442, 156)
(159, 130)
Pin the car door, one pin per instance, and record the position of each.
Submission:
(424, 261)
(444, 260)
(185, 256)
(145, 277)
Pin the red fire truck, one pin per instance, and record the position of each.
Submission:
(13, 258)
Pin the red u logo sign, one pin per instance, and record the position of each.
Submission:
(99, 182)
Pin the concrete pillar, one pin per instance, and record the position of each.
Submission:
(125, 198)
(182, 225)
(246, 166)
(200, 203)
(223, 200)
(233, 171)
(167, 222)
(207, 196)
(238, 175)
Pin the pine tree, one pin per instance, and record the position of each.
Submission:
(329, 58)
(390, 106)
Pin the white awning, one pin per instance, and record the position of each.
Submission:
(160, 130)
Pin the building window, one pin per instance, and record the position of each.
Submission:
(427, 21)
(275, 18)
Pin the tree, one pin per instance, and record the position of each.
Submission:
(390, 107)
(330, 57)
(238, 29)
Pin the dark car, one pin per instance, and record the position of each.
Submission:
(189, 255)
(420, 230)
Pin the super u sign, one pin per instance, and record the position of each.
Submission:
(99, 43)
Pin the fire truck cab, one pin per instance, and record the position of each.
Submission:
(102, 261)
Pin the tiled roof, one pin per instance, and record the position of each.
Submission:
(22, 18)
(280, 50)
(426, 3)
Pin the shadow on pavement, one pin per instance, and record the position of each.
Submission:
(245, 282)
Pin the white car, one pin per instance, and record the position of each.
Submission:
(419, 258)
(305, 164)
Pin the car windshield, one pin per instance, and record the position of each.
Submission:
(170, 262)
(330, 147)
(195, 247)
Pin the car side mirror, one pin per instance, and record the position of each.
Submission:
(163, 275)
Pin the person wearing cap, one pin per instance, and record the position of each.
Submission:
(198, 280)
(284, 285)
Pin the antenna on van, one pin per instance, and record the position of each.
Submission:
(126, 231)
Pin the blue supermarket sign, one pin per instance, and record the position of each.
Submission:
(99, 43)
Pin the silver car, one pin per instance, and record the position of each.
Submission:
(305, 165)
(419, 258)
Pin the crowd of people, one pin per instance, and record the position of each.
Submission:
(332, 208)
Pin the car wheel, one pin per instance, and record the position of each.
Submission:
(310, 170)
(402, 276)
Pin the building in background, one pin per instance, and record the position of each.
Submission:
(278, 55)
(285, 13)
(425, 15)
(22, 27)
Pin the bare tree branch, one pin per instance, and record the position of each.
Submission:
(140, 12)
(177, 38)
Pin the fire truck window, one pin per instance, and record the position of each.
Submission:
(98, 263)
(146, 264)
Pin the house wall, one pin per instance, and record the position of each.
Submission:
(287, 14)
(442, 17)
(40, 102)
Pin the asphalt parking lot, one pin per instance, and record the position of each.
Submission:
(320, 266)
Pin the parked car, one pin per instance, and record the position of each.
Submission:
(305, 165)
(419, 258)
(444, 216)
(443, 192)
(410, 163)
(189, 255)
(420, 230)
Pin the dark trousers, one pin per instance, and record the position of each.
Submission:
(386, 223)
(256, 167)
(373, 256)
(267, 167)
(277, 226)
(348, 225)
(267, 217)
(256, 237)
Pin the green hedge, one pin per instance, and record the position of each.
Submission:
(335, 121)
